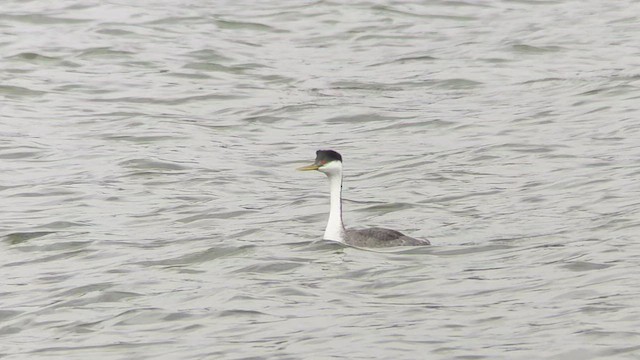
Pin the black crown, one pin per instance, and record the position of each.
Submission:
(327, 156)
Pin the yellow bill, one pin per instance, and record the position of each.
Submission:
(308, 167)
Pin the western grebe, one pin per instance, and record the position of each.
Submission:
(329, 162)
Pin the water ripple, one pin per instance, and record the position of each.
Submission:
(151, 208)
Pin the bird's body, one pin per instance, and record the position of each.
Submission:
(381, 237)
(330, 163)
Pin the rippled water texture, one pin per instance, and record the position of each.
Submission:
(150, 207)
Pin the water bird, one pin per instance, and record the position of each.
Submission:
(329, 162)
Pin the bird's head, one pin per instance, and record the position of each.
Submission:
(327, 161)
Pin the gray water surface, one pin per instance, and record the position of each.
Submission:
(150, 207)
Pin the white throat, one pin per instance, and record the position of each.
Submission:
(335, 228)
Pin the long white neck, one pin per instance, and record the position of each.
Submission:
(335, 228)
